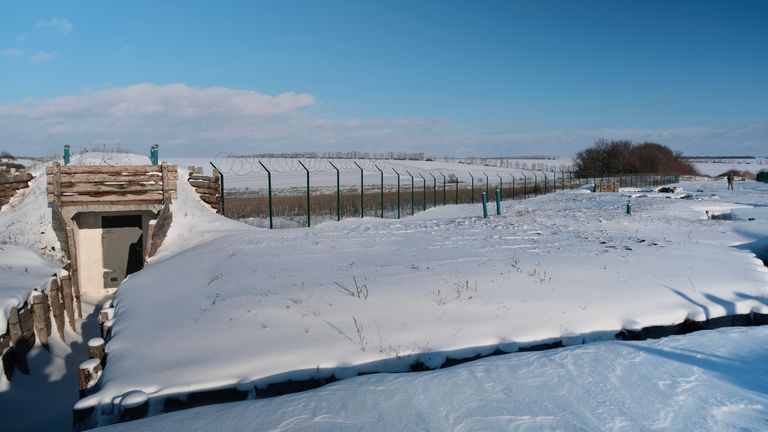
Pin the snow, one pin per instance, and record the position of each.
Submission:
(715, 167)
(710, 380)
(228, 305)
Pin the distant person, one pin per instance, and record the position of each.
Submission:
(730, 180)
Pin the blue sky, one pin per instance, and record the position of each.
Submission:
(443, 77)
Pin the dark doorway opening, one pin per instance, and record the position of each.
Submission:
(123, 244)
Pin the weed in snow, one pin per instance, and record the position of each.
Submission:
(360, 291)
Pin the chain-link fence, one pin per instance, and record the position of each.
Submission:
(287, 193)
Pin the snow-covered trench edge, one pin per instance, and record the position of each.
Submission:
(136, 405)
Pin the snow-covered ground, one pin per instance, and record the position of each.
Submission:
(228, 305)
(707, 381)
(224, 305)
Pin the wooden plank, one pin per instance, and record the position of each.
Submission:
(98, 178)
(207, 191)
(96, 198)
(74, 271)
(99, 169)
(42, 317)
(66, 295)
(88, 188)
(56, 183)
(113, 203)
(56, 306)
(166, 181)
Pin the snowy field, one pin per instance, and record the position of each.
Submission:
(715, 167)
(707, 381)
(226, 305)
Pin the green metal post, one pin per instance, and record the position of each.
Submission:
(456, 197)
(545, 181)
(382, 190)
(525, 186)
(413, 195)
(501, 183)
(487, 183)
(221, 187)
(443, 187)
(269, 191)
(535, 183)
(498, 202)
(434, 190)
(398, 192)
(66, 154)
(424, 190)
(338, 192)
(309, 208)
(513, 187)
(362, 191)
(485, 204)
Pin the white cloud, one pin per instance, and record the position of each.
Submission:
(42, 56)
(204, 121)
(61, 24)
(12, 52)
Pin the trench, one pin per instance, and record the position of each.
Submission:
(85, 419)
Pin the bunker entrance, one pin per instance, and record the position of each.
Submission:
(111, 246)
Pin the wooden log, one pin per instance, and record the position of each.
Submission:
(7, 193)
(163, 223)
(74, 270)
(20, 344)
(106, 326)
(202, 177)
(101, 169)
(206, 184)
(42, 315)
(14, 186)
(210, 199)
(96, 349)
(195, 170)
(111, 203)
(207, 191)
(150, 233)
(68, 298)
(106, 314)
(56, 306)
(98, 178)
(90, 372)
(56, 183)
(90, 188)
(126, 196)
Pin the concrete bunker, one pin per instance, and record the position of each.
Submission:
(109, 219)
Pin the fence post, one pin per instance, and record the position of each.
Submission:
(269, 192)
(382, 189)
(413, 211)
(501, 183)
(498, 202)
(441, 173)
(434, 190)
(66, 154)
(338, 192)
(535, 184)
(525, 185)
(544, 173)
(513, 187)
(424, 197)
(487, 183)
(472, 198)
(456, 197)
(485, 204)
(398, 192)
(362, 191)
(309, 208)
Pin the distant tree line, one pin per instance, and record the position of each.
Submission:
(625, 157)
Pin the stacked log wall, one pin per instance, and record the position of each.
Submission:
(13, 178)
(207, 187)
